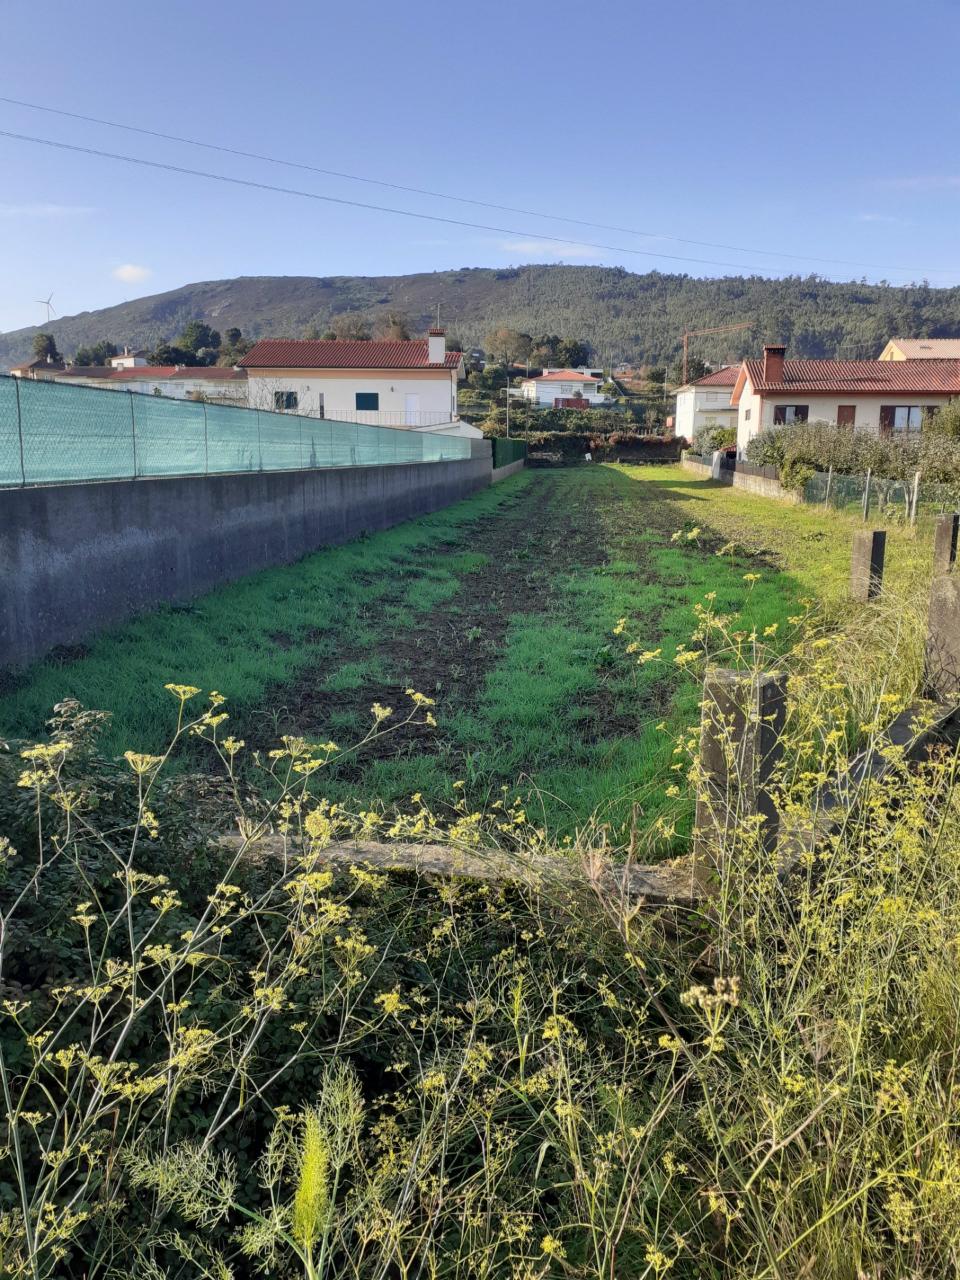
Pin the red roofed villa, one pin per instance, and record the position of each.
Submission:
(886, 397)
(410, 384)
(563, 384)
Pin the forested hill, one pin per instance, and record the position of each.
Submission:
(635, 318)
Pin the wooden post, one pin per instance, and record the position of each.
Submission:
(945, 542)
(741, 730)
(866, 495)
(866, 568)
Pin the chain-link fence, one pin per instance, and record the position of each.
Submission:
(51, 433)
(877, 497)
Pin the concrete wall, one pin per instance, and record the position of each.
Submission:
(76, 558)
(763, 486)
(511, 469)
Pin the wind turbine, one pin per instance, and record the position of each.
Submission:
(46, 302)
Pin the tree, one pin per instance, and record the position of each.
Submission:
(201, 341)
(509, 345)
(232, 337)
(351, 326)
(166, 353)
(45, 347)
(572, 353)
(393, 326)
(98, 354)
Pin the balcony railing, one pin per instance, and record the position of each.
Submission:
(393, 417)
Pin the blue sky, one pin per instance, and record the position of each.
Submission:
(820, 130)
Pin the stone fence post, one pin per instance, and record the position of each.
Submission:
(945, 542)
(741, 730)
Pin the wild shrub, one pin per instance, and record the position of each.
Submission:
(283, 1062)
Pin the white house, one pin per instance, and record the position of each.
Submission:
(887, 397)
(410, 384)
(127, 359)
(706, 402)
(178, 382)
(563, 384)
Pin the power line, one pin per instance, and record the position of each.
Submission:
(483, 204)
(355, 204)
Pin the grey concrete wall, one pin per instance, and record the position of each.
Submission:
(77, 558)
(511, 469)
(763, 486)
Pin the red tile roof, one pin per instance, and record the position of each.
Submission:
(280, 353)
(152, 372)
(850, 377)
(719, 378)
(565, 375)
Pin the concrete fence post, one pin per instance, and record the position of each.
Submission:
(943, 637)
(945, 542)
(866, 493)
(715, 473)
(23, 470)
(914, 497)
(866, 568)
(206, 444)
(826, 496)
(133, 433)
(741, 744)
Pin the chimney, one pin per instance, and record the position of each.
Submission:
(436, 346)
(773, 358)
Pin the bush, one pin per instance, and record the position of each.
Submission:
(820, 445)
(709, 439)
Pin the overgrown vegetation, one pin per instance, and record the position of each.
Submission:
(802, 448)
(501, 609)
(215, 1058)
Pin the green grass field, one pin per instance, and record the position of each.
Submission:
(502, 609)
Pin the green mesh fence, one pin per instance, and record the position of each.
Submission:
(51, 433)
(507, 451)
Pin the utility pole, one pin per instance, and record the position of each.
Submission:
(699, 333)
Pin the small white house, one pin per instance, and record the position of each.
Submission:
(127, 359)
(410, 384)
(706, 403)
(563, 384)
(886, 397)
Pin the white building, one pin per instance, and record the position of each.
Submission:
(886, 397)
(706, 403)
(410, 384)
(177, 382)
(127, 359)
(563, 384)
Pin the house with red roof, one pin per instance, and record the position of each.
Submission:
(886, 397)
(410, 384)
(554, 385)
(705, 403)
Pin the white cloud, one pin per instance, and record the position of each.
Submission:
(44, 210)
(130, 273)
(550, 249)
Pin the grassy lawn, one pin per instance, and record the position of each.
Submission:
(502, 609)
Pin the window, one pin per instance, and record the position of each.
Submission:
(784, 414)
(746, 415)
(846, 415)
(320, 404)
(368, 400)
(284, 401)
(898, 419)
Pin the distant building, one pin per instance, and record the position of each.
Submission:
(563, 384)
(706, 403)
(42, 368)
(178, 382)
(127, 359)
(888, 398)
(921, 349)
(411, 384)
